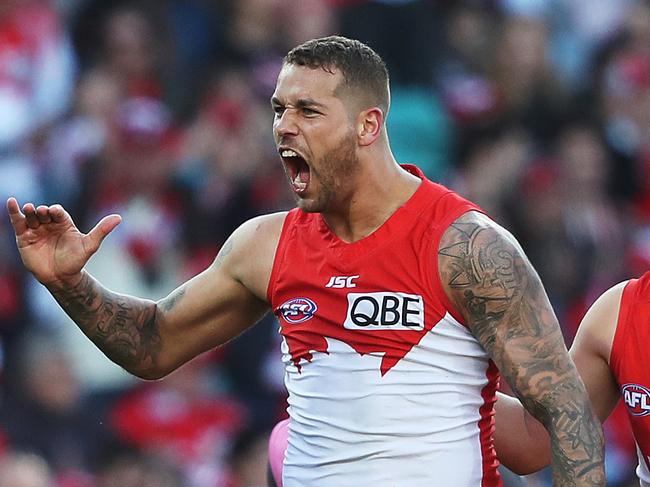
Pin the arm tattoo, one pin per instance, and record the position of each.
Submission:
(124, 328)
(490, 281)
(491, 277)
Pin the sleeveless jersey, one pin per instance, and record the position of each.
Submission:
(386, 386)
(630, 364)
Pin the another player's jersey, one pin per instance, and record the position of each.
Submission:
(386, 386)
(630, 364)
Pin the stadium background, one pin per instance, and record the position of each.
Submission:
(539, 110)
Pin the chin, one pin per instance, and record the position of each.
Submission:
(309, 206)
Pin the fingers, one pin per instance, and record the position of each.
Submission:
(16, 217)
(43, 214)
(30, 216)
(58, 214)
(33, 217)
(96, 236)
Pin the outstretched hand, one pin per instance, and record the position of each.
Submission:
(50, 245)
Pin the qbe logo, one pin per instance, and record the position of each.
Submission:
(637, 399)
(384, 311)
(297, 310)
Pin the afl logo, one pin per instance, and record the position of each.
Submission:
(637, 399)
(297, 310)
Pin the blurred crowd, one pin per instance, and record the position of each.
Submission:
(538, 110)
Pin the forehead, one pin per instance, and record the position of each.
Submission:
(300, 82)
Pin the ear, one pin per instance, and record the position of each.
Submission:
(369, 124)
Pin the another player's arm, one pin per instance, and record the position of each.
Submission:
(521, 441)
(493, 285)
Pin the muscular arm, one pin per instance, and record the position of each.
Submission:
(521, 442)
(150, 339)
(492, 284)
(123, 327)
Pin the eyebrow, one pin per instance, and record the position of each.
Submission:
(300, 103)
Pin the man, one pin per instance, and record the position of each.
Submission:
(609, 352)
(397, 300)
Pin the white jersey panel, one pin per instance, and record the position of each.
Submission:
(642, 470)
(416, 425)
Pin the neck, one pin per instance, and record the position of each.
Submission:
(381, 187)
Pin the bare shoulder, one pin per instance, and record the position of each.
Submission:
(249, 252)
(261, 230)
(481, 265)
(472, 228)
(494, 287)
(598, 326)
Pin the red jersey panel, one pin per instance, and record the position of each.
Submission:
(386, 386)
(630, 364)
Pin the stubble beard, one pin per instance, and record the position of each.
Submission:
(335, 176)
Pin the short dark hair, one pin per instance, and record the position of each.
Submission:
(362, 68)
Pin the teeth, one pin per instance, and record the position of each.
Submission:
(288, 153)
(298, 184)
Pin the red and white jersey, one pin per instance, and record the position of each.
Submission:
(386, 386)
(630, 364)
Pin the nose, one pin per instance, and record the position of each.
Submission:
(285, 124)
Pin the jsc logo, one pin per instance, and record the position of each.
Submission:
(297, 310)
(384, 311)
(637, 399)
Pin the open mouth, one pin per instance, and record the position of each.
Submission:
(297, 169)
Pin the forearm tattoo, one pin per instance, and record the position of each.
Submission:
(124, 328)
(495, 288)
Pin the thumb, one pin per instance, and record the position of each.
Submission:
(96, 236)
